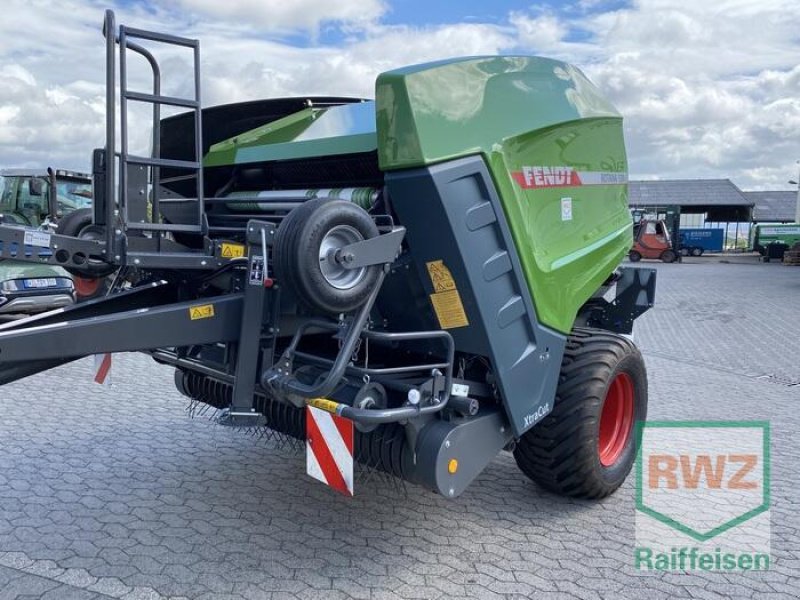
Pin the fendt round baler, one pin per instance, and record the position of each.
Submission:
(433, 274)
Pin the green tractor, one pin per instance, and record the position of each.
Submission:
(413, 284)
(50, 200)
(38, 199)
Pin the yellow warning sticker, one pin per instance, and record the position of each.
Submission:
(441, 278)
(229, 250)
(201, 311)
(449, 309)
(446, 300)
(324, 404)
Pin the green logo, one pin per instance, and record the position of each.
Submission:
(698, 481)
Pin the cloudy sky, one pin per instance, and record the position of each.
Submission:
(708, 89)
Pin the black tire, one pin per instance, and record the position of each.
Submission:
(562, 452)
(78, 223)
(697, 252)
(685, 251)
(297, 254)
(634, 256)
(74, 223)
(668, 256)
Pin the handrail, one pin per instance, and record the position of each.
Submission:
(109, 26)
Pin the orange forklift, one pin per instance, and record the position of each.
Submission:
(652, 240)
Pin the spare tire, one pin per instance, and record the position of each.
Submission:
(305, 255)
(75, 222)
(79, 224)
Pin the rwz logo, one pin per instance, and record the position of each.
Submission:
(688, 471)
(702, 495)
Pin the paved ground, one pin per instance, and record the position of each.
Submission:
(115, 493)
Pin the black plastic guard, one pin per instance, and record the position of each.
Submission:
(635, 294)
(453, 214)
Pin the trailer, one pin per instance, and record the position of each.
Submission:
(773, 240)
(695, 242)
(427, 279)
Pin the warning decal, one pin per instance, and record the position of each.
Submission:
(329, 449)
(256, 270)
(229, 250)
(449, 309)
(202, 311)
(446, 300)
(441, 278)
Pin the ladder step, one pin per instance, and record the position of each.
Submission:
(170, 100)
(165, 227)
(162, 162)
(188, 177)
(153, 36)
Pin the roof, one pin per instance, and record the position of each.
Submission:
(24, 172)
(773, 207)
(686, 193)
(35, 172)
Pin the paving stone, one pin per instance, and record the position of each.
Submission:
(115, 493)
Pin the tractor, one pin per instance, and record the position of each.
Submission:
(50, 200)
(432, 277)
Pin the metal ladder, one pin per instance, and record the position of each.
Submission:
(133, 180)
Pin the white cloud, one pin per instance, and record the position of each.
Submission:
(544, 32)
(707, 89)
(273, 15)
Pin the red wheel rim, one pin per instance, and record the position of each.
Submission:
(86, 287)
(616, 419)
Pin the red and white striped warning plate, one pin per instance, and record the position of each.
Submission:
(329, 449)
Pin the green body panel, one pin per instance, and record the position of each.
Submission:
(566, 260)
(345, 129)
(555, 150)
(437, 111)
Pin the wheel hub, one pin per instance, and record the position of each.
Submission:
(335, 273)
(616, 419)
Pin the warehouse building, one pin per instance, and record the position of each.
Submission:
(713, 203)
(773, 207)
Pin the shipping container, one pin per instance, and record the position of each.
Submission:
(694, 242)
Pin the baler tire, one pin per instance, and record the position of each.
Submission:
(634, 256)
(562, 453)
(297, 262)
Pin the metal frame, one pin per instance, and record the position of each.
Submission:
(635, 295)
(157, 100)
